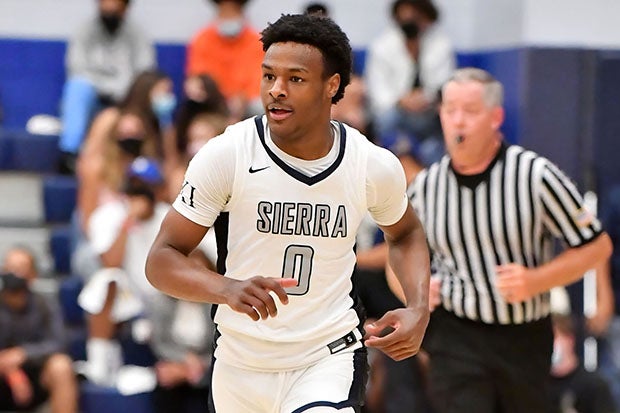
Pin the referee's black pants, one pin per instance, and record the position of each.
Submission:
(481, 368)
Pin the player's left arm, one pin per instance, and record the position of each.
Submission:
(408, 256)
(409, 259)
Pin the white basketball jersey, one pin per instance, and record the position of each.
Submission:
(278, 222)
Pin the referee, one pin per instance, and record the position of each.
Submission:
(491, 211)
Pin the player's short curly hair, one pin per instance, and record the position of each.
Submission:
(320, 32)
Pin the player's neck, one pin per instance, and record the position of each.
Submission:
(313, 145)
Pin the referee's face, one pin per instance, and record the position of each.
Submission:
(470, 126)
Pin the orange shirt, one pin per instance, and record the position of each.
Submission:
(234, 63)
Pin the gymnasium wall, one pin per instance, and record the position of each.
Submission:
(557, 60)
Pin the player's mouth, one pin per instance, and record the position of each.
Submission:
(279, 113)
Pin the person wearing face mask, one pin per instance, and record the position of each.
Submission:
(102, 59)
(34, 367)
(140, 114)
(117, 136)
(228, 50)
(202, 99)
(201, 128)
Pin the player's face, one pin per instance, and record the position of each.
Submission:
(464, 113)
(296, 94)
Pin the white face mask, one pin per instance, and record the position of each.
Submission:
(230, 27)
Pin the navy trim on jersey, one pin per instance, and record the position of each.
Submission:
(308, 180)
(220, 226)
(358, 386)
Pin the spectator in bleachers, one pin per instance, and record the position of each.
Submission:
(405, 68)
(118, 135)
(202, 127)
(33, 365)
(182, 341)
(202, 115)
(102, 59)
(121, 232)
(317, 8)
(351, 109)
(573, 389)
(229, 50)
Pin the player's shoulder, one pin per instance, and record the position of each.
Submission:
(378, 159)
(375, 152)
(248, 125)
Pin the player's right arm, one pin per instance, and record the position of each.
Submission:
(170, 270)
(207, 189)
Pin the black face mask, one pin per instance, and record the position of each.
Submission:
(12, 282)
(111, 22)
(131, 146)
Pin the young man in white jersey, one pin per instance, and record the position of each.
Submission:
(286, 193)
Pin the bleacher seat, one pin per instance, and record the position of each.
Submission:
(98, 399)
(6, 150)
(23, 151)
(35, 153)
(68, 292)
(59, 197)
(60, 248)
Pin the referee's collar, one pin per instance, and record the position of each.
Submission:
(472, 181)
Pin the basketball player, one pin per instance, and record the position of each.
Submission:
(286, 193)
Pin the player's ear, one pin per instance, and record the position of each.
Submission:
(333, 84)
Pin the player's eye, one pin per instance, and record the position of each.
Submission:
(296, 79)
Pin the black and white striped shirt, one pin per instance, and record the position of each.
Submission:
(509, 213)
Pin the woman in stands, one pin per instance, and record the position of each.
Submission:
(132, 128)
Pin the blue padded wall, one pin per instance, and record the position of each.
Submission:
(607, 123)
(555, 108)
(59, 195)
(31, 77)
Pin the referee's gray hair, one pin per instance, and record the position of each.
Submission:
(493, 89)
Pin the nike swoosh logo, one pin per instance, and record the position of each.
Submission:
(253, 171)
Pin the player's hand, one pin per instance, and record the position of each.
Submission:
(398, 333)
(515, 283)
(434, 296)
(253, 297)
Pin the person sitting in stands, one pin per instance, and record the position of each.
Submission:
(33, 365)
